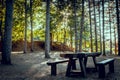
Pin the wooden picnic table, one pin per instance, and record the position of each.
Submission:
(82, 57)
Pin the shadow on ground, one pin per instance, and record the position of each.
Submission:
(32, 66)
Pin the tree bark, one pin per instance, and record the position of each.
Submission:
(96, 43)
(31, 21)
(110, 29)
(103, 28)
(82, 26)
(1, 17)
(76, 36)
(100, 28)
(118, 24)
(47, 33)
(7, 39)
(91, 36)
(25, 30)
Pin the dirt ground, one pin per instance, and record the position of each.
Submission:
(32, 66)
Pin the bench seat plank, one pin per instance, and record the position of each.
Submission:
(105, 61)
(58, 61)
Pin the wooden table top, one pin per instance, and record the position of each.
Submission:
(80, 54)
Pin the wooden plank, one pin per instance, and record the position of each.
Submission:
(58, 61)
(105, 61)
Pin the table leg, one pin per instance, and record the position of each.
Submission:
(82, 66)
(73, 64)
(94, 60)
(69, 66)
(85, 61)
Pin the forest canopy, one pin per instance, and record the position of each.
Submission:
(71, 23)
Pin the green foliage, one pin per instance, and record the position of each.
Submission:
(61, 21)
(19, 19)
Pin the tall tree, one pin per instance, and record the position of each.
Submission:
(115, 39)
(96, 44)
(110, 27)
(7, 39)
(25, 30)
(103, 24)
(90, 26)
(82, 26)
(31, 22)
(47, 31)
(99, 10)
(1, 16)
(118, 23)
(76, 36)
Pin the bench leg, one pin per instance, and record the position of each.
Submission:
(53, 70)
(111, 67)
(101, 69)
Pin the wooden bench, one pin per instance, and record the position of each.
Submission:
(53, 65)
(101, 67)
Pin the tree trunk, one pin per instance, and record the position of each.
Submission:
(76, 36)
(71, 37)
(47, 33)
(1, 17)
(25, 30)
(110, 29)
(64, 35)
(7, 39)
(82, 26)
(115, 40)
(118, 23)
(31, 21)
(90, 26)
(103, 28)
(96, 44)
(51, 39)
(100, 28)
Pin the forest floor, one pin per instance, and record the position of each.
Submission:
(32, 66)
